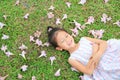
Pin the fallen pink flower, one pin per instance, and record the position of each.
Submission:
(51, 7)
(32, 39)
(82, 2)
(90, 20)
(4, 48)
(68, 4)
(23, 47)
(57, 73)
(24, 67)
(3, 78)
(43, 54)
(75, 31)
(52, 58)
(1, 25)
(106, 1)
(26, 16)
(20, 76)
(46, 44)
(8, 53)
(58, 21)
(37, 34)
(17, 2)
(5, 37)
(50, 15)
(33, 78)
(64, 16)
(23, 54)
(117, 23)
(77, 25)
(38, 42)
(105, 18)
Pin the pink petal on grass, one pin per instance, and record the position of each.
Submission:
(5, 37)
(23, 47)
(58, 21)
(24, 67)
(4, 48)
(32, 39)
(3, 78)
(8, 53)
(37, 34)
(46, 44)
(1, 25)
(34, 78)
(17, 2)
(82, 2)
(68, 4)
(38, 42)
(26, 16)
(43, 54)
(90, 20)
(51, 7)
(23, 54)
(20, 76)
(52, 58)
(57, 73)
(106, 1)
(64, 16)
(50, 15)
(117, 23)
(75, 31)
(77, 25)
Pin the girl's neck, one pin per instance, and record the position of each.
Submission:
(75, 47)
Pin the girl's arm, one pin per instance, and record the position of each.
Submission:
(82, 68)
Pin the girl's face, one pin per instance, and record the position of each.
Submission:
(64, 40)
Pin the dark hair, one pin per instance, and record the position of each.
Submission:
(51, 31)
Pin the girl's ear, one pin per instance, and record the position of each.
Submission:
(58, 48)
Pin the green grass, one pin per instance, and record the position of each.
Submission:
(19, 31)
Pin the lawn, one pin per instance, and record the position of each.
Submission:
(20, 30)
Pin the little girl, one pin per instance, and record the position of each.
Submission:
(97, 59)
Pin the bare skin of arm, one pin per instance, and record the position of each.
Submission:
(99, 48)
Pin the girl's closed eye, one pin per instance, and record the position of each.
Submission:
(63, 40)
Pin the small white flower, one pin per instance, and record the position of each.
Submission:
(51, 7)
(52, 58)
(58, 21)
(117, 23)
(82, 2)
(20, 76)
(3, 78)
(24, 67)
(33, 78)
(50, 15)
(38, 42)
(64, 16)
(32, 39)
(17, 2)
(68, 4)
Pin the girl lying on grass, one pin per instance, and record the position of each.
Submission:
(97, 59)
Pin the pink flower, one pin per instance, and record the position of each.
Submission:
(20, 76)
(43, 54)
(58, 21)
(106, 1)
(38, 42)
(37, 34)
(8, 53)
(24, 67)
(50, 15)
(68, 4)
(23, 54)
(3, 78)
(5, 17)
(4, 48)
(57, 73)
(51, 7)
(90, 20)
(117, 23)
(17, 2)
(64, 16)
(32, 39)
(1, 25)
(75, 31)
(5, 37)
(46, 44)
(33, 78)
(77, 25)
(52, 58)
(23, 47)
(26, 16)
(82, 2)
(105, 18)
